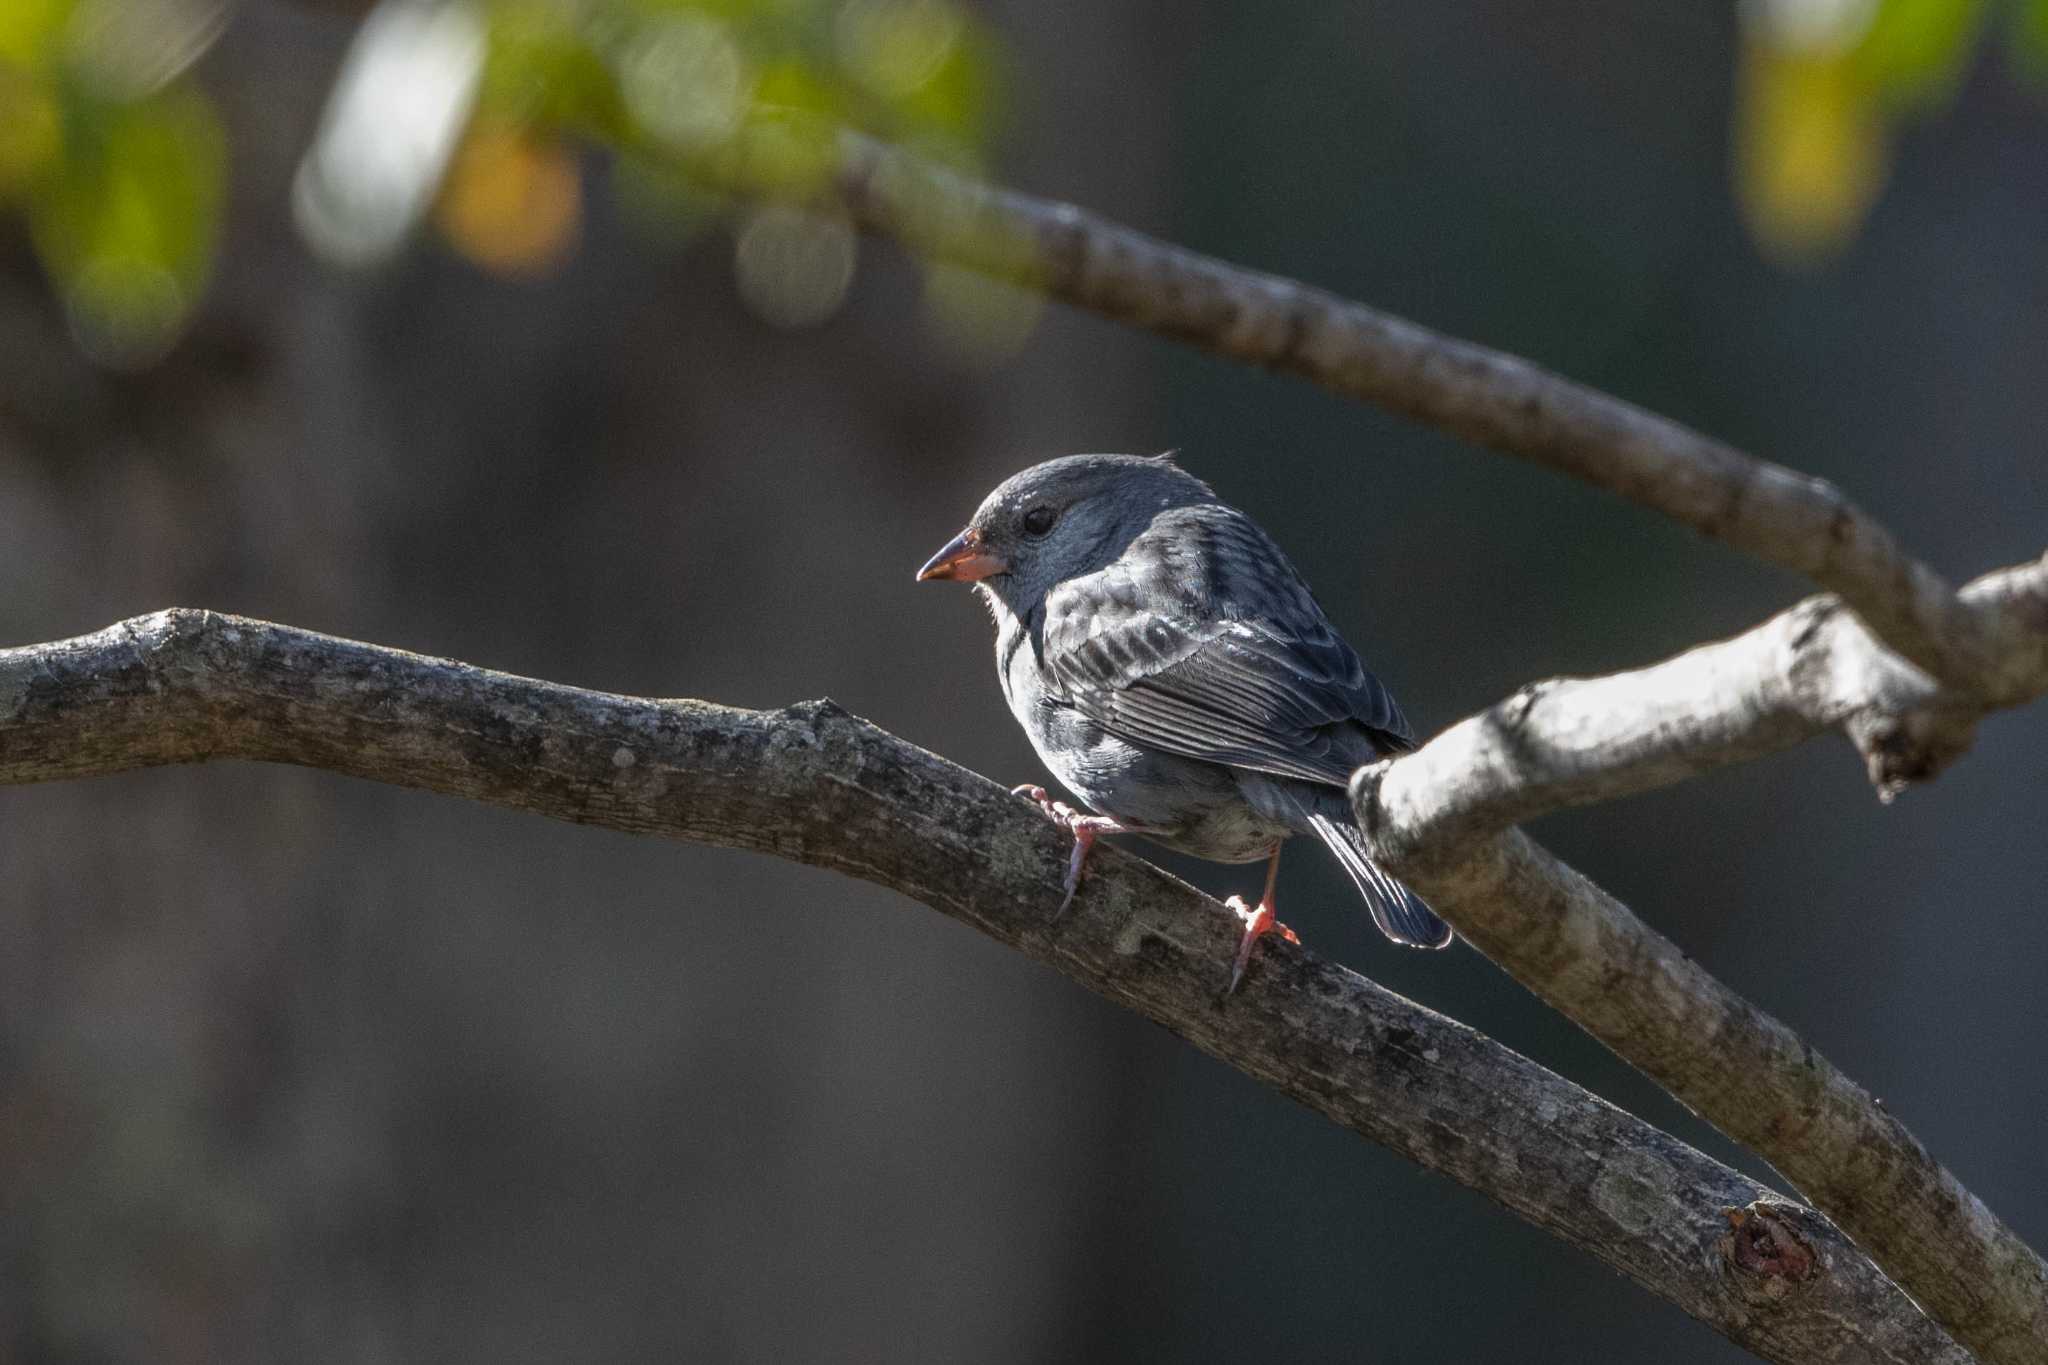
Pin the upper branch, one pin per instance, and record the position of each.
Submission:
(1793, 520)
(815, 784)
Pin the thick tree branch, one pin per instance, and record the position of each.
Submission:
(815, 784)
(1436, 817)
(1793, 520)
(1808, 669)
(1750, 1076)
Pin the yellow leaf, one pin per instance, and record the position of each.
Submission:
(512, 201)
(1810, 151)
(29, 28)
(31, 134)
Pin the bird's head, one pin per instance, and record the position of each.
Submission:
(1060, 520)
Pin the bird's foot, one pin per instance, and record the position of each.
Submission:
(1259, 921)
(1038, 796)
(1085, 828)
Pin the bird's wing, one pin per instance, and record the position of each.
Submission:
(1203, 641)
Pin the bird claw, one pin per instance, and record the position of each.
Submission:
(1085, 829)
(1259, 921)
(1084, 839)
(1059, 812)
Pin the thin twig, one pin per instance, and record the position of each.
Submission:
(1783, 517)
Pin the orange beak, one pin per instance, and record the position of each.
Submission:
(963, 560)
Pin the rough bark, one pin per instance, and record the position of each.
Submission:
(817, 785)
(1809, 669)
(1438, 817)
(1752, 1077)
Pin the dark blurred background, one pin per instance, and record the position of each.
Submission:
(294, 1067)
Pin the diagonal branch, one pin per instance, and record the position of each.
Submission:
(817, 785)
(1808, 669)
(1783, 517)
(1752, 1077)
(1438, 817)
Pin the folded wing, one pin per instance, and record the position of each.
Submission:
(1218, 652)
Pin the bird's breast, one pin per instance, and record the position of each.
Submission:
(1198, 807)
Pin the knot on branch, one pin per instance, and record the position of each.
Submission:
(1770, 1256)
(1513, 714)
(1901, 749)
(815, 713)
(187, 630)
(824, 730)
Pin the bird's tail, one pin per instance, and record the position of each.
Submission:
(1399, 912)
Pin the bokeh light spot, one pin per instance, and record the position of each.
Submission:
(126, 49)
(794, 265)
(398, 108)
(896, 46)
(1812, 27)
(685, 80)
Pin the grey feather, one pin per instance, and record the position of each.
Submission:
(1399, 912)
(1173, 669)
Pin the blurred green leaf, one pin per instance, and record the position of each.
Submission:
(2030, 39)
(117, 166)
(128, 227)
(1916, 51)
(31, 131)
(122, 180)
(1821, 88)
(543, 68)
(962, 97)
(29, 30)
(680, 91)
(660, 201)
(31, 128)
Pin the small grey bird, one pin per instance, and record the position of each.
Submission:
(1174, 671)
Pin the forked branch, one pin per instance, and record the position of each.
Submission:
(814, 784)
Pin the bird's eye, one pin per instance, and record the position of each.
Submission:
(1039, 520)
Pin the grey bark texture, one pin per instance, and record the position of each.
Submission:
(817, 785)
(1752, 1077)
(1963, 652)
(1440, 817)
